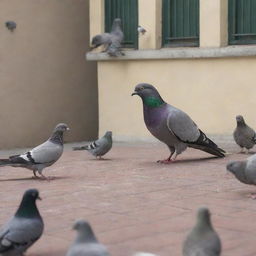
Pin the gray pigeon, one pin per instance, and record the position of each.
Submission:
(202, 240)
(86, 244)
(171, 125)
(24, 228)
(41, 156)
(11, 25)
(111, 41)
(244, 135)
(244, 171)
(141, 30)
(99, 147)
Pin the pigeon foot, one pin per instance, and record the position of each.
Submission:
(252, 196)
(165, 161)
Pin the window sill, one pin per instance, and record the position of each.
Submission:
(177, 53)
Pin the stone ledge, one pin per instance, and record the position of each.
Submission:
(178, 53)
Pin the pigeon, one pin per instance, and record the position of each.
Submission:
(41, 156)
(99, 147)
(141, 30)
(244, 171)
(24, 228)
(202, 240)
(171, 125)
(11, 25)
(86, 244)
(244, 135)
(111, 41)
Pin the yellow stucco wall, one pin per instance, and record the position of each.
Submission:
(44, 78)
(211, 91)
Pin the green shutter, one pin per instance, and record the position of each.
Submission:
(242, 21)
(127, 10)
(180, 23)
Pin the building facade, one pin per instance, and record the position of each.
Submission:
(200, 54)
(44, 77)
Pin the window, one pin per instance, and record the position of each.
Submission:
(127, 10)
(242, 22)
(180, 23)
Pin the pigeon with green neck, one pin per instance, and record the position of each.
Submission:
(86, 244)
(42, 156)
(172, 126)
(203, 239)
(24, 228)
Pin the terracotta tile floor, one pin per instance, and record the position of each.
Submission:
(133, 203)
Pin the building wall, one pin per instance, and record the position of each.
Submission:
(44, 78)
(211, 91)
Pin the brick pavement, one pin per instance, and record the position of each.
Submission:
(135, 204)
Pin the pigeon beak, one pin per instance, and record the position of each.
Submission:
(134, 93)
(68, 129)
(39, 198)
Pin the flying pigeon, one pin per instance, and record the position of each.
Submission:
(244, 171)
(244, 135)
(202, 240)
(111, 41)
(141, 30)
(11, 25)
(24, 228)
(171, 125)
(86, 244)
(41, 156)
(99, 147)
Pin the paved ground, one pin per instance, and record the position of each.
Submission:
(135, 204)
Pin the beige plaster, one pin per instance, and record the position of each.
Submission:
(44, 77)
(211, 91)
(213, 23)
(97, 15)
(150, 12)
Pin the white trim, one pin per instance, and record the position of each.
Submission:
(178, 53)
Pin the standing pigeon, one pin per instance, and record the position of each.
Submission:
(202, 240)
(24, 228)
(244, 171)
(171, 125)
(41, 156)
(99, 147)
(141, 30)
(111, 41)
(86, 244)
(244, 135)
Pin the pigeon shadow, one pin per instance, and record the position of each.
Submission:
(36, 179)
(101, 159)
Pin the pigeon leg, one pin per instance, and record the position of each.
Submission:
(242, 150)
(247, 151)
(252, 196)
(34, 172)
(166, 161)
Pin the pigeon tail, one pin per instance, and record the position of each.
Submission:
(80, 148)
(205, 144)
(4, 162)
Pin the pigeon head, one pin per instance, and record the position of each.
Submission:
(108, 134)
(85, 232)
(96, 41)
(240, 119)
(116, 23)
(235, 166)
(61, 127)
(27, 206)
(203, 217)
(149, 95)
(57, 135)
